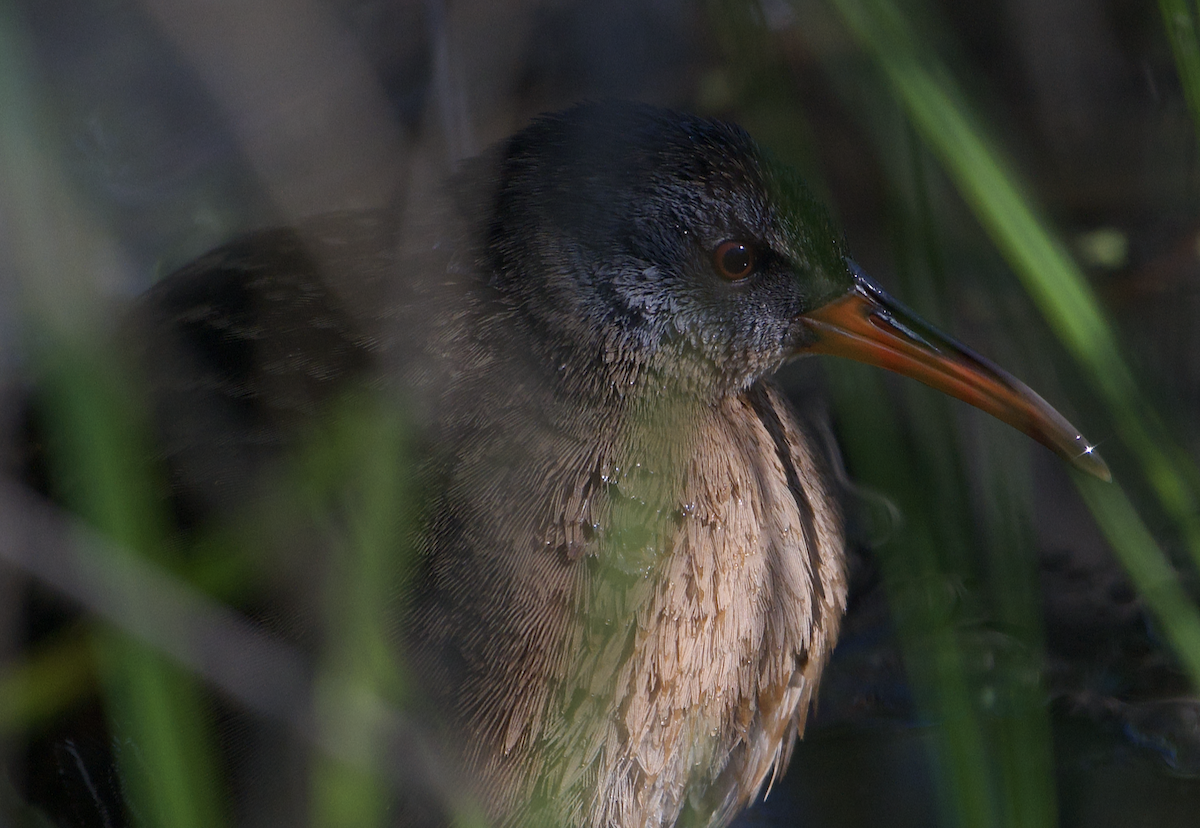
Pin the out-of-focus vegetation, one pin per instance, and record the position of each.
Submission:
(136, 135)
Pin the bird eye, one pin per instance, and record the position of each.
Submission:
(734, 260)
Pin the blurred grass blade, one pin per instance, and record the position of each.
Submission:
(1023, 743)
(1154, 578)
(1180, 21)
(1040, 261)
(918, 568)
(357, 477)
(97, 456)
(100, 466)
(360, 484)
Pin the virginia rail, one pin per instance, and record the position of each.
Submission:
(632, 559)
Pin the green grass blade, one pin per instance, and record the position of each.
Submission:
(100, 466)
(919, 573)
(1180, 21)
(1023, 744)
(97, 456)
(357, 481)
(1039, 260)
(1154, 578)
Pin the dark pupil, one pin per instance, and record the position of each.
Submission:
(736, 260)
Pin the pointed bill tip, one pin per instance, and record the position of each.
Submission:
(1090, 461)
(869, 326)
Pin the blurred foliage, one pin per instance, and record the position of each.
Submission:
(100, 466)
(1183, 30)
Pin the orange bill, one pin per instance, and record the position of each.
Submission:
(869, 326)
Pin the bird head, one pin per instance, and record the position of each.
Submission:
(677, 256)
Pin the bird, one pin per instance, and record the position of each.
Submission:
(630, 553)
